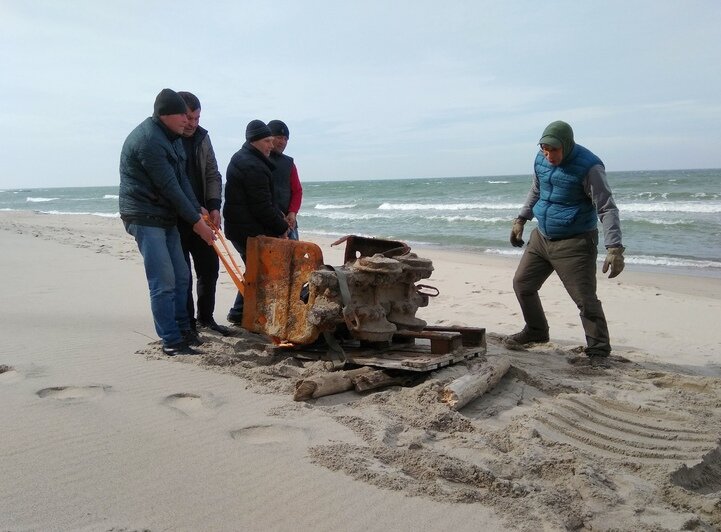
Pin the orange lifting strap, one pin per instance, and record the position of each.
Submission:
(226, 257)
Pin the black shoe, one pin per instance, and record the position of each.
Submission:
(210, 324)
(526, 337)
(181, 348)
(235, 319)
(191, 337)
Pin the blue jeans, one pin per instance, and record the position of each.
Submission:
(168, 277)
(293, 234)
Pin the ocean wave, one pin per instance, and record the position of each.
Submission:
(446, 206)
(650, 260)
(111, 196)
(656, 221)
(39, 200)
(706, 207)
(349, 216)
(323, 206)
(498, 182)
(504, 252)
(101, 214)
(468, 218)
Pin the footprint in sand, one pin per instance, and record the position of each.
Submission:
(192, 405)
(74, 393)
(265, 434)
(8, 374)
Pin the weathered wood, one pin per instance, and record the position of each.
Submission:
(327, 384)
(465, 389)
(374, 380)
(442, 342)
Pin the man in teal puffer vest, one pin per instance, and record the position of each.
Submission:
(568, 196)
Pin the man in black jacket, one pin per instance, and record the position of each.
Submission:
(206, 181)
(249, 208)
(154, 192)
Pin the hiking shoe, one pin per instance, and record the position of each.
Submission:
(210, 324)
(181, 348)
(526, 336)
(191, 337)
(235, 319)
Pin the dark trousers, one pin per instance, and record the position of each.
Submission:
(206, 265)
(574, 261)
(236, 312)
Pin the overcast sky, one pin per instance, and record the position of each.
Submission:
(369, 89)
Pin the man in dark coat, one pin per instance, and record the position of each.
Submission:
(154, 192)
(207, 183)
(287, 190)
(249, 208)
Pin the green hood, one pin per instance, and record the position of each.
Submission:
(557, 134)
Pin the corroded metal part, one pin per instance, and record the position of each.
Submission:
(276, 278)
(291, 296)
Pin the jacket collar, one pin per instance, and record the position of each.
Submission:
(256, 153)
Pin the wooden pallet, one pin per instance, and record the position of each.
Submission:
(427, 350)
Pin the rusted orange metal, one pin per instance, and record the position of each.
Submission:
(276, 280)
(220, 245)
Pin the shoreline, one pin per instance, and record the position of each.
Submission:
(682, 271)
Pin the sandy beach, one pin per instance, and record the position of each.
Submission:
(101, 431)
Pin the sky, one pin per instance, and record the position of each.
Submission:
(369, 89)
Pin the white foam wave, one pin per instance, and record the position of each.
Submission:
(322, 206)
(446, 206)
(650, 260)
(498, 182)
(505, 252)
(468, 218)
(350, 216)
(111, 196)
(101, 214)
(39, 200)
(706, 207)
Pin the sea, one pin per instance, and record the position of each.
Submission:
(670, 219)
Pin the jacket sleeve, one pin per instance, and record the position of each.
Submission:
(598, 189)
(213, 179)
(296, 191)
(531, 199)
(154, 159)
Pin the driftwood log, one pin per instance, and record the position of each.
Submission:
(465, 389)
(327, 383)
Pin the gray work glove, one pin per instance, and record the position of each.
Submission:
(517, 232)
(614, 260)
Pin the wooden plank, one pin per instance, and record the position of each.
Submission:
(471, 336)
(441, 341)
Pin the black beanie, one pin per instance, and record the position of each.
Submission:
(169, 102)
(257, 130)
(278, 127)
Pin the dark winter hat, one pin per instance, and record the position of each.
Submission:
(169, 102)
(278, 127)
(257, 130)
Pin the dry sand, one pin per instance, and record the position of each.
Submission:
(100, 431)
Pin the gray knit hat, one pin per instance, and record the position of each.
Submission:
(257, 130)
(169, 102)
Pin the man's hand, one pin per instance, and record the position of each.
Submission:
(214, 216)
(614, 260)
(204, 231)
(517, 232)
(291, 219)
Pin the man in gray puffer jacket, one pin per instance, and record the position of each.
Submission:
(154, 192)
